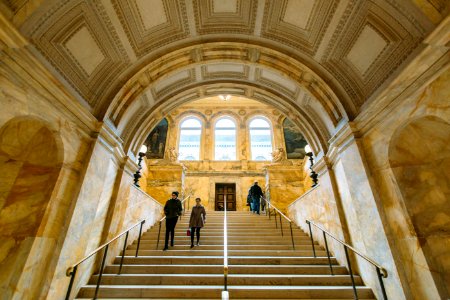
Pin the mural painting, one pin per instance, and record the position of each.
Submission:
(156, 140)
(294, 140)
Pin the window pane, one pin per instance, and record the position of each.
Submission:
(260, 140)
(225, 123)
(190, 136)
(259, 123)
(225, 140)
(193, 123)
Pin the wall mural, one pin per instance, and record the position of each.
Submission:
(294, 140)
(156, 140)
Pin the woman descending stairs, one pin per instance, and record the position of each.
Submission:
(262, 265)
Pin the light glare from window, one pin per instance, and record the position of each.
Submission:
(190, 136)
(225, 140)
(260, 139)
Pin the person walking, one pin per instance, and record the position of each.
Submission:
(249, 200)
(256, 193)
(197, 221)
(172, 210)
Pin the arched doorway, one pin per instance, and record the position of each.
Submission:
(30, 161)
(419, 156)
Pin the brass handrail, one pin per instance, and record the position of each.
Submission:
(69, 269)
(269, 204)
(225, 251)
(162, 219)
(381, 272)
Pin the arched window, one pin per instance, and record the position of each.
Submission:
(260, 139)
(190, 135)
(225, 139)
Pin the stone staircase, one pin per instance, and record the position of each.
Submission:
(262, 265)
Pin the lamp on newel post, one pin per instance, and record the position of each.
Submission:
(138, 175)
(313, 175)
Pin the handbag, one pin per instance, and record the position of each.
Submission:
(188, 232)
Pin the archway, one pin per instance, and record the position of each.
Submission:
(420, 160)
(30, 160)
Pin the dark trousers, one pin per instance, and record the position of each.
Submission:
(170, 228)
(256, 203)
(197, 230)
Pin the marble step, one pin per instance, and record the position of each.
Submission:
(214, 291)
(233, 269)
(233, 260)
(198, 251)
(219, 246)
(219, 241)
(232, 238)
(217, 279)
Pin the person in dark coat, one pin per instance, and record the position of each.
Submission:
(172, 210)
(256, 193)
(197, 221)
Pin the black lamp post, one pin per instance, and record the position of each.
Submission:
(138, 175)
(313, 174)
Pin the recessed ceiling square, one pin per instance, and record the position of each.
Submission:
(85, 50)
(298, 12)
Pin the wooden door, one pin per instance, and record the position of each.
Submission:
(225, 191)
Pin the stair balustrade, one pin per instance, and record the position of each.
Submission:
(381, 272)
(72, 270)
(280, 214)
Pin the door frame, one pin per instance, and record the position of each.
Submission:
(225, 184)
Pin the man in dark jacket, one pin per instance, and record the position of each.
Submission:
(256, 193)
(172, 210)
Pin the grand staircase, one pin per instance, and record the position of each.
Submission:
(262, 265)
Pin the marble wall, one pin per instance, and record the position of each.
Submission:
(409, 154)
(62, 195)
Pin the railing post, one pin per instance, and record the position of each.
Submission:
(123, 252)
(72, 278)
(380, 278)
(101, 272)
(312, 238)
(281, 225)
(139, 238)
(351, 272)
(159, 234)
(269, 210)
(328, 252)
(292, 236)
(275, 217)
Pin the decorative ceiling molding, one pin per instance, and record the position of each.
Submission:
(88, 69)
(283, 25)
(144, 33)
(219, 17)
(389, 34)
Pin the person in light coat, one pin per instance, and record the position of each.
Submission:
(197, 221)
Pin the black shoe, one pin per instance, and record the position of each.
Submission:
(192, 246)
(166, 248)
(171, 244)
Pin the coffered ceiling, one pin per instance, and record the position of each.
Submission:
(99, 48)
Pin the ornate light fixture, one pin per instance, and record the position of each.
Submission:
(313, 174)
(141, 155)
(225, 97)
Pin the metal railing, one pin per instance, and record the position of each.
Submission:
(72, 270)
(163, 218)
(280, 214)
(381, 272)
(225, 251)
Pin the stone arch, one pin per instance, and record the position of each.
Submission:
(419, 155)
(314, 130)
(31, 156)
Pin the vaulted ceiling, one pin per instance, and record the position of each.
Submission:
(126, 59)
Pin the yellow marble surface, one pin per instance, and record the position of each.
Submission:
(410, 158)
(162, 180)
